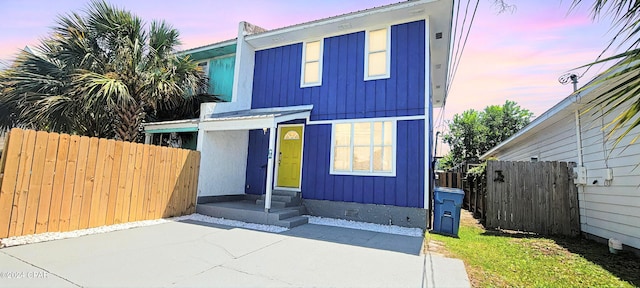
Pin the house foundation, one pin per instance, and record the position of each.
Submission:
(372, 213)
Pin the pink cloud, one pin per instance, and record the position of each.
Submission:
(549, 20)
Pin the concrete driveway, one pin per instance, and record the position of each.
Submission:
(196, 254)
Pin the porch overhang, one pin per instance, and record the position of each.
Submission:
(186, 125)
(254, 118)
(263, 118)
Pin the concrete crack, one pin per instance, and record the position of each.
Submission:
(41, 268)
(259, 275)
(254, 251)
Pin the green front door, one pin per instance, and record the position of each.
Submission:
(290, 156)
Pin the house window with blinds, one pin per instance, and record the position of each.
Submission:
(364, 148)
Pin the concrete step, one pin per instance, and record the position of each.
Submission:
(293, 222)
(276, 204)
(246, 211)
(285, 193)
(281, 198)
(288, 214)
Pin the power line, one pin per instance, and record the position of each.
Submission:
(464, 44)
(455, 33)
(458, 38)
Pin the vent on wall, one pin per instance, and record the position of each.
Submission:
(439, 35)
(344, 26)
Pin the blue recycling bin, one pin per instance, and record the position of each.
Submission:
(446, 211)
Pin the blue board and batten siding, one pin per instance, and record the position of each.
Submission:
(406, 189)
(345, 95)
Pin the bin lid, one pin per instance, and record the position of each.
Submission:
(449, 190)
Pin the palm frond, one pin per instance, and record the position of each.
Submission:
(97, 89)
(621, 82)
(101, 73)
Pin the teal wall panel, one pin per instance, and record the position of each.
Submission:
(221, 76)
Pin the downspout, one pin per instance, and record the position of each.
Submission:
(578, 138)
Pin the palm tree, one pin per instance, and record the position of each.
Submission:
(624, 76)
(100, 74)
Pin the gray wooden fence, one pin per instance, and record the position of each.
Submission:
(536, 197)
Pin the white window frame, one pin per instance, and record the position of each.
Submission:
(304, 62)
(367, 52)
(371, 172)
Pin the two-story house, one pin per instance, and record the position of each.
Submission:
(335, 112)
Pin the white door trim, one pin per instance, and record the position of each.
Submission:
(277, 154)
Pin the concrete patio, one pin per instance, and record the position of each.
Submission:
(196, 254)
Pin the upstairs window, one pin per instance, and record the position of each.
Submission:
(377, 54)
(204, 66)
(363, 148)
(311, 64)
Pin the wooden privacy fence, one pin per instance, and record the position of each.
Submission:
(450, 179)
(56, 182)
(474, 190)
(532, 196)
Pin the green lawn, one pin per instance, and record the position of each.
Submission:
(496, 259)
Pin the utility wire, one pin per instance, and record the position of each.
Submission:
(458, 38)
(464, 44)
(455, 34)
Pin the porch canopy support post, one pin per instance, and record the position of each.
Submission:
(269, 184)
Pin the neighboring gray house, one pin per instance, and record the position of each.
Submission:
(608, 180)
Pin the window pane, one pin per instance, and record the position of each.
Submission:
(361, 158)
(204, 67)
(343, 134)
(377, 133)
(362, 133)
(388, 158)
(388, 133)
(377, 158)
(341, 159)
(313, 51)
(378, 40)
(311, 74)
(377, 63)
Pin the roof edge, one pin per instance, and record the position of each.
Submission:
(574, 98)
(338, 18)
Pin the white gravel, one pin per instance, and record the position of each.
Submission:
(390, 229)
(234, 223)
(49, 236)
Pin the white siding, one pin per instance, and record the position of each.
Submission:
(606, 209)
(223, 163)
(610, 209)
(555, 142)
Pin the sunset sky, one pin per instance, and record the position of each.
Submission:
(517, 56)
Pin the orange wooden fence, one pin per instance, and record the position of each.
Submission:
(53, 182)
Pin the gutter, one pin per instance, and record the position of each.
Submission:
(539, 120)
